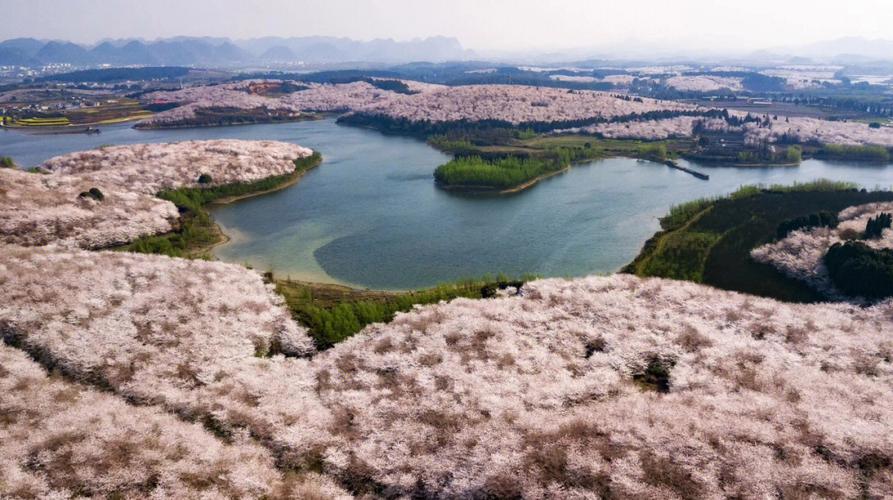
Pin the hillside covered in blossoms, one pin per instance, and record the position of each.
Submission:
(135, 375)
(431, 103)
(606, 386)
(106, 197)
(150, 168)
(41, 209)
(613, 115)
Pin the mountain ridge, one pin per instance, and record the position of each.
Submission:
(197, 51)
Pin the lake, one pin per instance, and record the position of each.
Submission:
(370, 215)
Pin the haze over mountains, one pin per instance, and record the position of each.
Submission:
(189, 51)
(224, 52)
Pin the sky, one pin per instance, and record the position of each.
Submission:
(483, 25)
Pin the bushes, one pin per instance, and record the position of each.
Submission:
(875, 226)
(680, 255)
(878, 154)
(820, 219)
(6, 162)
(859, 270)
(765, 154)
(656, 375)
(711, 240)
(391, 85)
(653, 151)
(456, 146)
(307, 162)
(93, 193)
(500, 171)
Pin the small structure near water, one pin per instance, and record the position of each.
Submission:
(677, 166)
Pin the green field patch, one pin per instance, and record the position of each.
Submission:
(333, 313)
(42, 122)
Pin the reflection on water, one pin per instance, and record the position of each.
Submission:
(371, 216)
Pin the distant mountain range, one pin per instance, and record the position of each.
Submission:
(849, 49)
(316, 50)
(221, 52)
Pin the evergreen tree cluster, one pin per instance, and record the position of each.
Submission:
(820, 219)
(875, 226)
(861, 271)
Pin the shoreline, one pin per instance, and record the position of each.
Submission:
(221, 238)
(74, 128)
(297, 176)
(180, 126)
(224, 238)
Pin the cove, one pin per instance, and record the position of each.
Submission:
(370, 215)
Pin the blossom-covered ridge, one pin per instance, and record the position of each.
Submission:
(704, 83)
(668, 128)
(58, 206)
(41, 209)
(617, 386)
(516, 104)
(595, 386)
(800, 129)
(63, 440)
(430, 103)
(150, 168)
(806, 129)
(194, 337)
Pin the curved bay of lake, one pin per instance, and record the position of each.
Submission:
(370, 215)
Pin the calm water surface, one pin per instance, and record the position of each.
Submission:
(371, 216)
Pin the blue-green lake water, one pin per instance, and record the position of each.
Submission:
(371, 216)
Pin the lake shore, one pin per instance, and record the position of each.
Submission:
(212, 234)
(186, 124)
(224, 238)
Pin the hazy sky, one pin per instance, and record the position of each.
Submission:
(479, 24)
